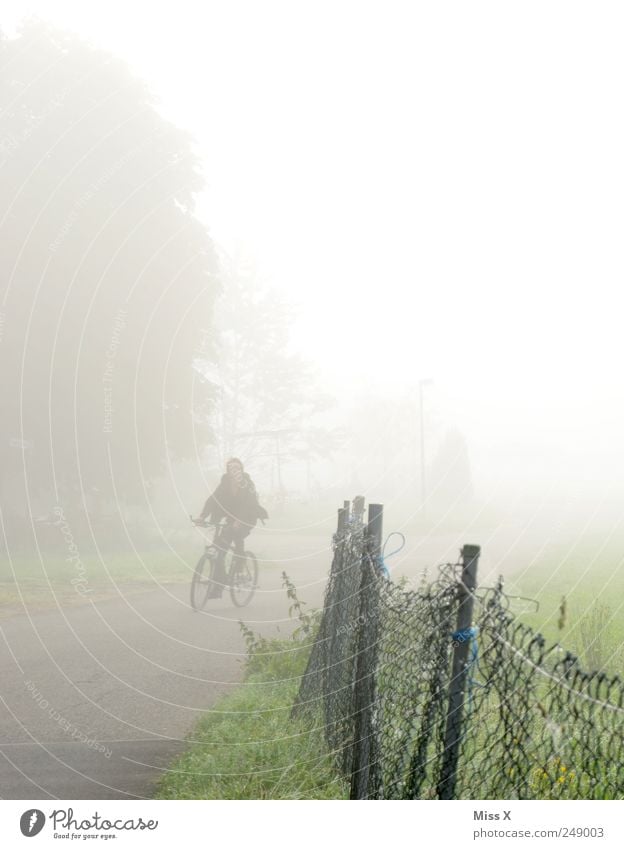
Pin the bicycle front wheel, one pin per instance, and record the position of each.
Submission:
(243, 579)
(201, 582)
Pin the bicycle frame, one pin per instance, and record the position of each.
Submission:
(203, 527)
(212, 543)
(242, 571)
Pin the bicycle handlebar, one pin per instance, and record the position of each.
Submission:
(202, 523)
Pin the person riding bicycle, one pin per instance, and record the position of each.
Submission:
(236, 500)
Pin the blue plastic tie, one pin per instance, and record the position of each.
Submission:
(381, 565)
(464, 634)
(381, 558)
(460, 637)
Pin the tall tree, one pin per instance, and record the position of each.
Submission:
(451, 487)
(262, 398)
(107, 275)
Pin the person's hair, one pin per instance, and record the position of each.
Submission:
(235, 460)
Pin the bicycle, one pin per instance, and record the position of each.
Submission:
(241, 572)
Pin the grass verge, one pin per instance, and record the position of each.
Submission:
(591, 623)
(56, 579)
(248, 746)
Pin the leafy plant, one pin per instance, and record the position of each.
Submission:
(307, 621)
(593, 628)
(278, 656)
(255, 643)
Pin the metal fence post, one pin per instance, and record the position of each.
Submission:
(453, 735)
(374, 528)
(364, 749)
(358, 509)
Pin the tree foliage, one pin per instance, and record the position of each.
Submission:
(107, 275)
(261, 397)
(451, 485)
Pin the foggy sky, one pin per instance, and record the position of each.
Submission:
(441, 205)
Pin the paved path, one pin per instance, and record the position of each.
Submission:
(96, 699)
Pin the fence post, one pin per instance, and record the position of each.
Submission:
(453, 735)
(364, 750)
(313, 690)
(358, 508)
(374, 528)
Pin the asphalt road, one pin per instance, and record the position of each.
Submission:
(97, 698)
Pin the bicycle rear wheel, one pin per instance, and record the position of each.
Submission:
(243, 579)
(201, 582)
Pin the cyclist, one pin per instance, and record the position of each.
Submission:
(236, 500)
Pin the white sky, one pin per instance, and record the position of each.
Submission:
(438, 184)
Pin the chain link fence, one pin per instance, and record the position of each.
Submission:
(436, 690)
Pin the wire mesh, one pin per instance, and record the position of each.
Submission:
(541, 727)
(535, 725)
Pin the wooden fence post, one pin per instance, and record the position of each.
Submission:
(454, 717)
(374, 529)
(364, 690)
(358, 508)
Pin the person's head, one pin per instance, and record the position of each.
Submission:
(234, 468)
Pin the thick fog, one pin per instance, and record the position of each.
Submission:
(419, 225)
(292, 254)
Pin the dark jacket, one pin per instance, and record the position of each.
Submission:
(242, 505)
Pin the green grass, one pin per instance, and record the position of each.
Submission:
(248, 747)
(60, 578)
(592, 583)
(39, 582)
